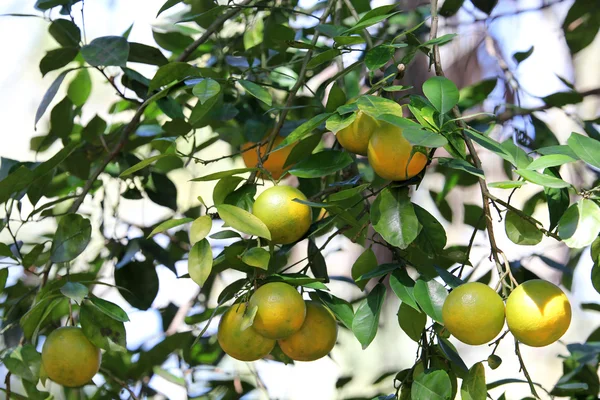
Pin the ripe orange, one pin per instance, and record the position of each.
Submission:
(473, 313)
(69, 358)
(538, 313)
(286, 219)
(390, 154)
(274, 163)
(244, 345)
(281, 310)
(316, 337)
(355, 137)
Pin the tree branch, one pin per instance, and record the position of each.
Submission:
(524, 369)
(354, 14)
(210, 30)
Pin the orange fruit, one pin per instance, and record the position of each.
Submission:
(473, 313)
(281, 310)
(316, 337)
(244, 345)
(390, 154)
(355, 137)
(538, 313)
(286, 219)
(274, 163)
(69, 358)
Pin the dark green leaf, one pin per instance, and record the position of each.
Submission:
(450, 7)
(561, 99)
(376, 107)
(72, 237)
(581, 25)
(257, 91)
(107, 50)
(542, 180)
(303, 130)
(378, 56)
(174, 71)
(317, 264)
(110, 309)
(322, 58)
(461, 165)
(521, 231)
(424, 138)
(335, 98)
(141, 165)
(144, 54)
(65, 32)
(551, 160)
(206, 89)
(49, 96)
(473, 95)
(394, 218)
(364, 264)
(431, 296)
(340, 307)
(521, 56)
(558, 200)
(138, 283)
(58, 58)
(485, 5)
(366, 319)
(321, 164)
(257, 257)
(222, 174)
(473, 386)
(411, 321)
(75, 291)
(102, 330)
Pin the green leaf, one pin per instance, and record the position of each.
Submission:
(200, 262)
(144, 54)
(348, 40)
(166, 225)
(506, 184)
(381, 270)
(3, 278)
(375, 106)
(253, 35)
(366, 319)
(561, 99)
(520, 231)
(303, 130)
(224, 187)
(100, 329)
(521, 56)
(200, 228)
(485, 5)
(24, 362)
(431, 296)
(206, 89)
(441, 92)
(348, 193)
(411, 321)
(65, 32)
(321, 164)
(75, 291)
(257, 257)
(473, 387)
(451, 354)
(364, 264)
(541, 179)
(394, 218)
(257, 91)
(491, 145)
(317, 264)
(49, 95)
(105, 51)
(243, 221)
(586, 148)
(174, 71)
(432, 237)
(450, 7)
(225, 235)
(31, 321)
(440, 40)
(110, 309)
(432, 385)
(339, 307)
(424, 138)
(141, 165)
(337, 122)
(403, 287)
(72, 237)
(222, 174)
(558, 200)
(58, 58)
(552, 160)
(461, 165)
(335, 98)
(304, 147)
(595, 276)
(322, 58)
(581, 25)
(80, 88)
(580, 224)
(378, 56)
(372, 17)
(137, 282)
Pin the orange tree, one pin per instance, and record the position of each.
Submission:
(241, 69)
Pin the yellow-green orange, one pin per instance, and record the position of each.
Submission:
(281, 310)
(390, 154)
(69, 358)
(355, 137)
(473, 313)
(244, 345)
(286, 219)
(274, 163)
(316, 337)
(538, 313)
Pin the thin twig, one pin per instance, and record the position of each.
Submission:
(7, 384)
(354, 14)
(216, 25)
(120, 382)
(524, 369)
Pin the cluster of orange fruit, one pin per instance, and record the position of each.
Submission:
(304, 330)
(537, 313)
(389, 153)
